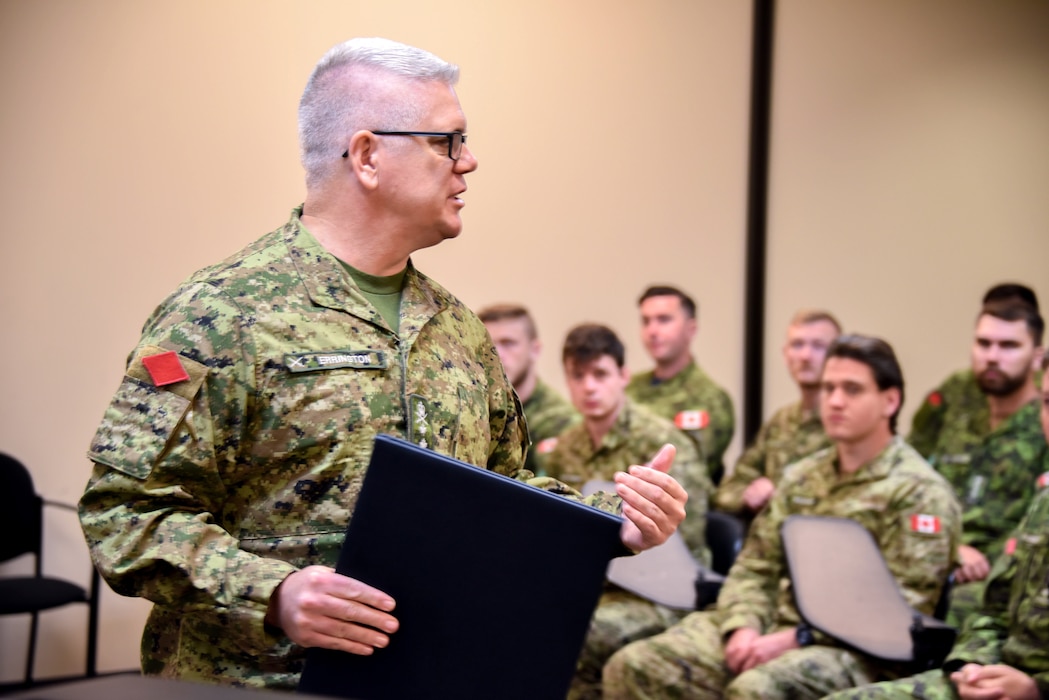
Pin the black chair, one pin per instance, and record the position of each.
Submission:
(21, 525)
(725, 535)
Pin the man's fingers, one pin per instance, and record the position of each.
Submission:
(663, 459)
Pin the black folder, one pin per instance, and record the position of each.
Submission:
(495, 582)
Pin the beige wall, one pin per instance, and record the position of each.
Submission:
(144, 140)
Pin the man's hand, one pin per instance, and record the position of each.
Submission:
(738, 647)
(976, 682)
(317, 607)
(768, 647)
(758, 493)
(653, 502)
(974, 566)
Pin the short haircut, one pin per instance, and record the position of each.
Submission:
(805, 316)
(876, 354)
(1017, 311)
(589, 341)
(687, 302)
(1011, 291)
(342, 96)
(508, 312)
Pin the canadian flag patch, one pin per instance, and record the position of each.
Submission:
(546, 446)
(934, 399)
(692, 420)
(929, 524)
(1010, 546)
(1042, 481)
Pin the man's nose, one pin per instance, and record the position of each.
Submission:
(467, 162)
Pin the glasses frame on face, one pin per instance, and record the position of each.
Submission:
(456, 140)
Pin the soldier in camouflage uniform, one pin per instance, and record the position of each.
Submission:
(677, 388)
(613, 435)
(547, 413)
(794, 431)
(229, 461)
(1005, 643)
(994, 475)
(752, 644)
(958, 405)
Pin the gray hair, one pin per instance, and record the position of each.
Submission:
(348, 91)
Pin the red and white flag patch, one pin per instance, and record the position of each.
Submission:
(692, 420)
(1010, 546)
(546, 446)
(1042, 481)
(165, 368)
(929, 524)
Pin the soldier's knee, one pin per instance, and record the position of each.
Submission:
(754, 684)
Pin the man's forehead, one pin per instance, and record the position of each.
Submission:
(821, 328)
(662, 304)
(600, 362)
(842, 369)
(994, 328)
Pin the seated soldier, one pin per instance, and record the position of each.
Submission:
(793, 431)
(1003, 651)
(995, 473)
(614, 434)
(752, 644)
(547, 413)
(677, 388)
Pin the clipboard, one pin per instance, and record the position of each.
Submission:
(495, 582)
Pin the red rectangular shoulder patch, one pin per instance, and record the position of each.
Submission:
(165, 368)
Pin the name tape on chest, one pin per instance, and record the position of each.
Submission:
(337, 359)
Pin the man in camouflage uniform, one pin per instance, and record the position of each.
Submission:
(994, 476)
(753, 644)
(1003, 651)
(546, 412)
(229, 461)
(677, 388)
(614, 434)
(793, 431)
(958, 405)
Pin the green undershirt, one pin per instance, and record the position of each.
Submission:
(383, 292)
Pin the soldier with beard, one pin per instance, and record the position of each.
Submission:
(994, 468)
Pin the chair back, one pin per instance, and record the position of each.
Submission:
(20, 512)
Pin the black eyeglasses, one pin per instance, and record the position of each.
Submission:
(456, 139)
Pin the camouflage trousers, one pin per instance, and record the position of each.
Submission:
(931, 685)
(620, 618)
(688, 662)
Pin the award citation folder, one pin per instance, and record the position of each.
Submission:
(495, 582)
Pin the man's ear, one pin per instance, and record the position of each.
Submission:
(363, 156)
(892, 400)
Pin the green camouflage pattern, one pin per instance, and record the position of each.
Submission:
(691, 389)
(548, 415)
(622, 617)
(953, 417)
(790, 434)
(1012, 625)
(635, 438)
(995, 482)
(687, 661)
(206, 493)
